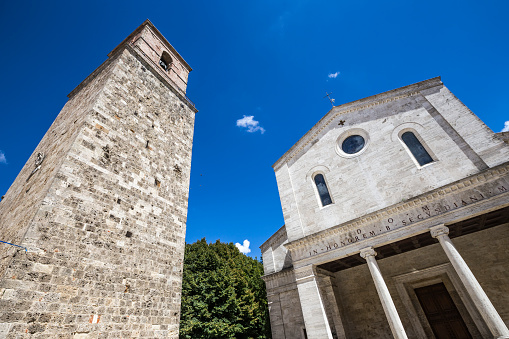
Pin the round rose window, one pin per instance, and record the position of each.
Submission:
(353, 144)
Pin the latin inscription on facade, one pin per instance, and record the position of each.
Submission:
(410, 217)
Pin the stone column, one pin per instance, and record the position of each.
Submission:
(474, 289)
(315, 317)
(383, 292)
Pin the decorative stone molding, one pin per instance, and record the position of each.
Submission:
(348, 133)
(317, 169)
(407, 126)
(368, 252)
(439, 230)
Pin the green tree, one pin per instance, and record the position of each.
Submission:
(223, 295)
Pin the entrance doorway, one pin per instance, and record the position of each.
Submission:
(441, 312)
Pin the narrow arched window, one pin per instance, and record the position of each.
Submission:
(323, 192)
(165, 61)
(418, 151)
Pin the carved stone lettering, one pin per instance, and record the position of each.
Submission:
(418, 214)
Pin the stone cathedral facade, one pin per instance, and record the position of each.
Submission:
(101, 205)
(396, 212)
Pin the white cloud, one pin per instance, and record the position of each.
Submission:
(244, 248)
(506, 127)
(3, 159)
(333, 75)
(251, 124)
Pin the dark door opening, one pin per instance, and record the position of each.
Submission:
(441, 312)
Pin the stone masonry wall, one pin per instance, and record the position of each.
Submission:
(24, 198)
(106, 244)
(480, 138)
(286, 320)
(384, 173)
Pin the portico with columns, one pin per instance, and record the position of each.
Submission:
(381, 241)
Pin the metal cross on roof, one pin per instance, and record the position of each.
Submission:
(330, 99)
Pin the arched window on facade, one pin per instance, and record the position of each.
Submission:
(165, 61)
(323, 192)
(416, 148)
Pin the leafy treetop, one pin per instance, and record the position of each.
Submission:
(223, 295)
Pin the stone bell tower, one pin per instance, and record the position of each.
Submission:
(98, 213)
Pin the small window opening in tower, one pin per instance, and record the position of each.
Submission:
(165, 61)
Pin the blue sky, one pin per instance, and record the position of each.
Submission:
(269, 60)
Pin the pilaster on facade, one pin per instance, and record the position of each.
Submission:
(313, 306)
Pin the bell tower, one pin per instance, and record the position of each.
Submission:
(98, 212)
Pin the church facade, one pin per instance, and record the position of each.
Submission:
(93, 227)
(396, 212)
